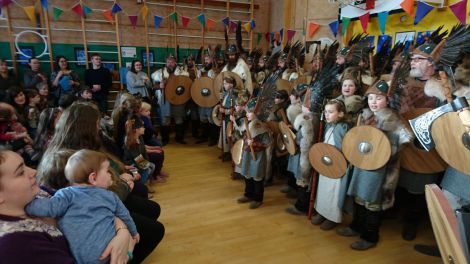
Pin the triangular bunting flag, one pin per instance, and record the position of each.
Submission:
(247, 26)
(421, 11)
(271, 36)
(133, 20)
(4, 3)
(408, 6)
(370, 4)
(290, 34)
(345, 21)
(202, 19)
(185, 21)
(312, 28)
(226, 20)
(56, 12)
(253, 24)
(233, 27)
(382, 20)
(30, 12)
(157, 20)
(108, 14)
(174, 16)
(276, 36)
(78, 9)
(145, 11)
(45, 4)
(86, 10)
(334, 27)
(281, 34)
(210, 24)
(116, 8)
(266, 36)
(364, 21)
(258, 39)
(460, 10)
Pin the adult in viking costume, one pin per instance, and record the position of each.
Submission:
(237, 65)
(194, 73)
(168, 110)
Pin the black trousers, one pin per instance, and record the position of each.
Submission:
(414, 206)
(254, 189)
(145, 214)
(303, 199)
(366, 222)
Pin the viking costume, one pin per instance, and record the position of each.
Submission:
(168, 110)
(240, 68)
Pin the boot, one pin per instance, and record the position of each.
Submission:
(179, 131)
(214, 131)
(205, 133)
(195, 128)
(165, 131)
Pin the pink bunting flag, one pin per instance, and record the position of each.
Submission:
(233, 27)
(133, 20)
(460, 10)
(364, 21)
(78, 9)
(185, 21)
(290, 34)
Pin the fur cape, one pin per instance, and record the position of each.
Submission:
(305, 123)
(435, 88)
(293, 111)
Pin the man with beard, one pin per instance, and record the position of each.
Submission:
(194, 72)
(261, 71)
(237, 65)
(287, 68)
(210, 131)
(168, 110)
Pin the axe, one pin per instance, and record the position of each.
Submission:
(422, 124)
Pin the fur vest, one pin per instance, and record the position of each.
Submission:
(435, 88)
(305, 123)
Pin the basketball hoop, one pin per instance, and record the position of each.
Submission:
(19, 51)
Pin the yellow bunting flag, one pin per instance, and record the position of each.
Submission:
(29, 10)
(145, 11)
(247, 27)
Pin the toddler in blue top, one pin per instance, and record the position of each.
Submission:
(86, 210)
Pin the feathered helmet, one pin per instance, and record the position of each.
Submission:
(232, 49)
(299, 90)
(251, 105)
(380, 87)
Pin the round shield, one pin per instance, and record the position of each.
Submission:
(219, 82)
(366, 147)
(301, 80)
(229, 129)
(274, 126)
(216, 116)
(413, 157)
(282, 84)
(444, 225)
(288, 137)
(203, 92)
(237, 151)
(281, 149)
(327, 160)
(452, 142)
(178, 89)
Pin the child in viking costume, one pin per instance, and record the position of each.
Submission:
(373, 190)
(253, 164)
(351, 95)
(238, 120)
(228, 102)
(331, 192)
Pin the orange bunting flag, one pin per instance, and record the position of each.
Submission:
(312, 28)
(30, 12)
(108, 14)
(408, 6)
(210, 24)
(145, 11)
(247, 27)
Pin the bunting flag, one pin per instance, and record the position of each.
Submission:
(116, 8)
(45, 4)
(345, 21)
(382, 20)
(460, 10)
(334, 27)
(185, 21)
(276, 36)
(108, 14)
(86, 10)
(210, 24)
(30, 12)
(145, 11)
(281, 34)
(157, 20)
(290, 34)
(370, 4)
(258, 39)
(226, 21)
(312, 28)
(247, 27)
(78, 9)
(252, 24)
(4, 3)
(56, 12)
(174, 16)
(266, 36)
(408, 6)
(422, 10)
(272, 36)
(133, 20)
(202, 19)
(364, 21)
(233, 27)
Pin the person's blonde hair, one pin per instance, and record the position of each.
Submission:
(82, 163)
(146, 106)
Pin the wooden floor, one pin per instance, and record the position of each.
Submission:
(204, 224)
